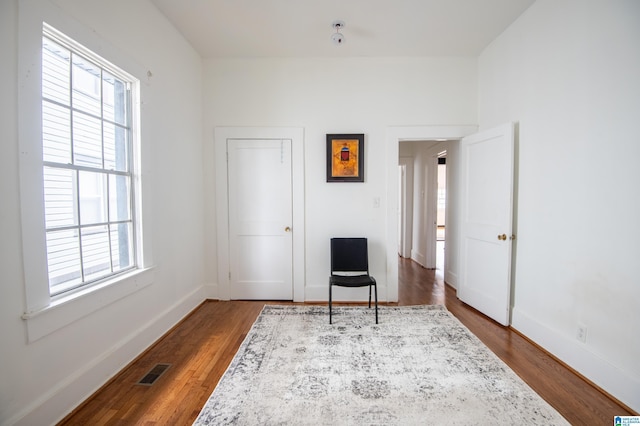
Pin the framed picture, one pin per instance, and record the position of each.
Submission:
(345, 158)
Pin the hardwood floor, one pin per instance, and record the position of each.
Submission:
(201, 347)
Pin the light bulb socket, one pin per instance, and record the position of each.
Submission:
(337, 38)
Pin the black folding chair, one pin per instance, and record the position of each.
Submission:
(350, 268)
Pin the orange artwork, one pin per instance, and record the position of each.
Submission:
(344, 158)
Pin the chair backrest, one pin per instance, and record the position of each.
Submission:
(349, 255)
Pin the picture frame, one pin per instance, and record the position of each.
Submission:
(345, 157)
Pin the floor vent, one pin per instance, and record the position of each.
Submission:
(153, 374)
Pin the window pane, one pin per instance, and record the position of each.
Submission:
(63, 258)
(56, 134)
(122, 246)
(87, 140)
(86, 86)
(119, 198)
(114, 92)
(59, 197)
(55, 72)
(93, 197)
(116, 148)
(96, 255)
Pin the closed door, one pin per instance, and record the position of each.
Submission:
(260, 219)
(486, 227)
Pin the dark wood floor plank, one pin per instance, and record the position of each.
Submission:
(201, 347)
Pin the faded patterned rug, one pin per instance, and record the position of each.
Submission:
(419, 366)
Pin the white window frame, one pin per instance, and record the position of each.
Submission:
(44, 314)
(73, 167)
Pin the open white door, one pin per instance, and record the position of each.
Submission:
(486, 221)
(260, 219)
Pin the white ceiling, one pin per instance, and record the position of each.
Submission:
(302, 28)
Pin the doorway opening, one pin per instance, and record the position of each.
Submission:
(423, 191)
(398, 137)
(422, 220)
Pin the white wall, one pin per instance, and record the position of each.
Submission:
(354, 95)
(567, 71)
(43, 380)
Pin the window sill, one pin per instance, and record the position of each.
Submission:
(68, 309)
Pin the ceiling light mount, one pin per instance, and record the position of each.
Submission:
(337, 37)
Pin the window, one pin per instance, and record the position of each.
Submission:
(87, 146)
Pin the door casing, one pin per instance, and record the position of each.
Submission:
(394, 135)
(296, 135)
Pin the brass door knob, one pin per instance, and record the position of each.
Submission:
(502, 237)
(287, 229)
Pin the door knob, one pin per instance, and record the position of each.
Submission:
(287, 229)
(502, 237)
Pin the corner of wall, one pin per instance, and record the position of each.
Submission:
(418, 257)
(451, 278)
(211, 291)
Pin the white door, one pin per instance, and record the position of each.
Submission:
(486, 227)
(260, 219)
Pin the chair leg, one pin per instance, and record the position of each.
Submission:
(375, 289)
(330, 303)
(370, 295)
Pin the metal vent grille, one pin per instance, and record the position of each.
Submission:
(153, 374)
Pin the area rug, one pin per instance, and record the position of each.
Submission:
(418, 366)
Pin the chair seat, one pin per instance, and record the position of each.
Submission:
(351, 281)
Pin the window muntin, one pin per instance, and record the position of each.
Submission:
(87, 170)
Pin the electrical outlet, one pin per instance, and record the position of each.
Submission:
(582, 333)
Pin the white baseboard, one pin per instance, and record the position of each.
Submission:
(451, 278)
(58, 402)
(419, 258)
(211, 291)
(618, 383)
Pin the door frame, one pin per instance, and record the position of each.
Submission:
(394, 135)
(405, 201)
(296, 135)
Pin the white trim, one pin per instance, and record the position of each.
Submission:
(296, 135)
(407, 207)
(30, 142)
(65, 310)
(394, 135)
(42, 314)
